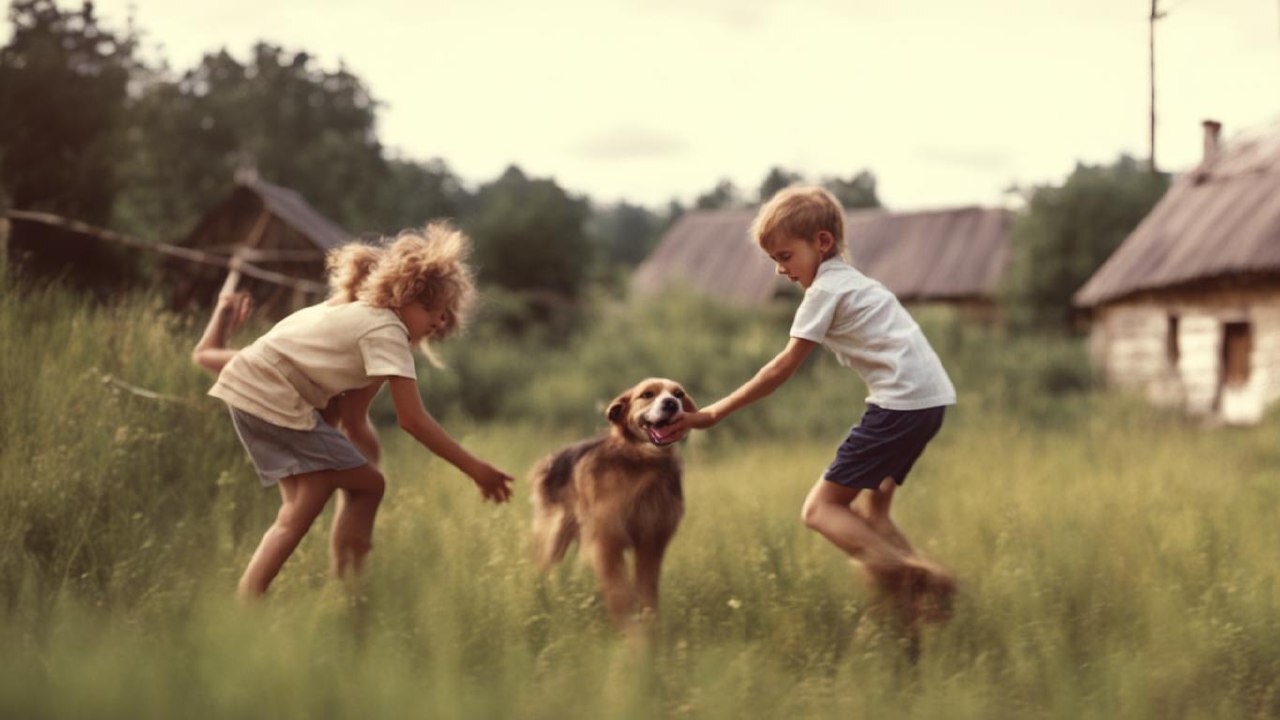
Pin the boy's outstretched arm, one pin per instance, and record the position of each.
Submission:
(769, 378)
(414, 419)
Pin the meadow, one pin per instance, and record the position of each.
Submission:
(1116, 561)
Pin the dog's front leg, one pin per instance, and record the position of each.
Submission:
(609, 561)
(648, 569)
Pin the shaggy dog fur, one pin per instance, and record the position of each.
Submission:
(615, 493)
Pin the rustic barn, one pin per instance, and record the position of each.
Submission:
(1187, 309)
(955, 257)
(275, 230)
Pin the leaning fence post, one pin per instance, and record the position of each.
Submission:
(233, 276)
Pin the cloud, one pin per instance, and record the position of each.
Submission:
(966, 158)
(629, 143)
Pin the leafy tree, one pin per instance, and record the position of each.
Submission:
(530, 236)
(1068, 231)
(723, 195)
(63, 83)
(302, 127)
(414, 193)
(674, 210)
(775, 180)
(625, 232)
(859, 191)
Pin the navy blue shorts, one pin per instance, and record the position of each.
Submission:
(885, 443)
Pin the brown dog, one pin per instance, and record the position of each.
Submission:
(616, 493)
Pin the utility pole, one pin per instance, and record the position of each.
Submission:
(1151, 54)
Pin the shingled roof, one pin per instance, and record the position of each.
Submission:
(1220, 220)
(291, 208)
(938, 255)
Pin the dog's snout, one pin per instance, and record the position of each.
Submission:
(670, 405)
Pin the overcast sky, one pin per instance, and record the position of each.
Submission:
(948, 102)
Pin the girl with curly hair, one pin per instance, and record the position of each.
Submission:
(319, 369)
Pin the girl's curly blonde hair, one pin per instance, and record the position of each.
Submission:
(347, 268)
(427, 266)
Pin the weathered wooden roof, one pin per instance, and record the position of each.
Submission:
(936, 255)
(291, 208)
(1219, 220)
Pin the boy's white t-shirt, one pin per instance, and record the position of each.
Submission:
(867, 329)
(312, 355)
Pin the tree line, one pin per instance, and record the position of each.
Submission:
(90, 131)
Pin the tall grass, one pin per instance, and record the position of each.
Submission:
(1115, 561)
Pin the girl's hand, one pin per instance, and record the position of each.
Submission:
(494, 484)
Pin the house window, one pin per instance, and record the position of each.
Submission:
(1171, 349)
(1237, 347)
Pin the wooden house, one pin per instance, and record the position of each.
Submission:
(954, 257)
(275, 232)
(1187, 309)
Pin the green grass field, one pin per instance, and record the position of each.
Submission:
(1115, 561)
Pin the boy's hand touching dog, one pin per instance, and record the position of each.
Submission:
(699, 420)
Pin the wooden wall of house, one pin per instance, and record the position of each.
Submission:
(227, 227)
(1171, 348)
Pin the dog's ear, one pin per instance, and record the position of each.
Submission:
(618, 408)
(688, 403)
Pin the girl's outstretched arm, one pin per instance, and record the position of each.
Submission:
(414, 419)
(769, 378)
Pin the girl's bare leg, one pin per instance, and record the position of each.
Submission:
(211, 352)
(302, 499)
(360, 493)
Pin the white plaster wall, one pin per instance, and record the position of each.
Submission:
(1129, 342)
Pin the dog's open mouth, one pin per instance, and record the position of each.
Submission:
(659, 433)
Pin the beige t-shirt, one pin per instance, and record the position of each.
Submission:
(312, 355)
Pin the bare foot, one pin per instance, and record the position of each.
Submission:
(919, 590)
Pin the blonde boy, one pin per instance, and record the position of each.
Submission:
(802, 230)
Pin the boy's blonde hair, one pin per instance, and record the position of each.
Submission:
(427, 266)
(801, 211)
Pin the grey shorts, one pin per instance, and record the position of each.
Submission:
(279, 452)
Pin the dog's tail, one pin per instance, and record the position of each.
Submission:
(553, 533)
(555, 526)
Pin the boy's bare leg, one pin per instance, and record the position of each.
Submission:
(302, 499)
(211, 352)
(875, 505)
(829, 510)
(927, 587)
(919, 589)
